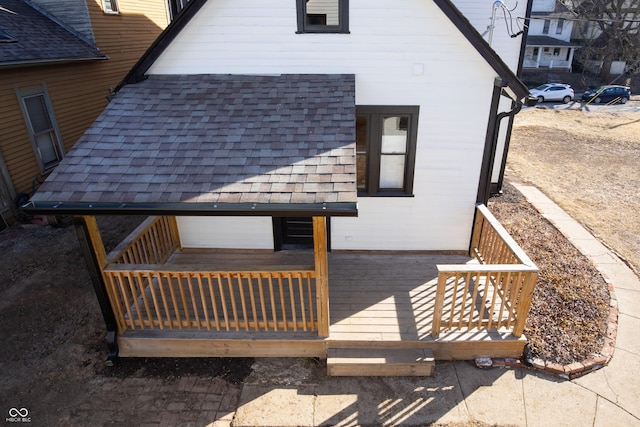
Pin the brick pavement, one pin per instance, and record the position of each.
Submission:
(146, 402)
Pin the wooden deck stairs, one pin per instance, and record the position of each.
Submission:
(380, 362)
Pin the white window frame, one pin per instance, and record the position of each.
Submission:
(54, 131)
(111, 7)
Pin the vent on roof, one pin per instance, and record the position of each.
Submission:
(5, 37)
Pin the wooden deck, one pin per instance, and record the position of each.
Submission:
(375, 300)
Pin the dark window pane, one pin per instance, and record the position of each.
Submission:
(38, 115)
(361, 151)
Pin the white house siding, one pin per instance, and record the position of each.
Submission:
(479, 13)
(543, 5)
(404, 52)
(226, 232)
(537, 26)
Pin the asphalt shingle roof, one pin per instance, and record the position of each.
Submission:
(177, 139)
(37, 39)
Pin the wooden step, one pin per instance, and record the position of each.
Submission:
(380, 362)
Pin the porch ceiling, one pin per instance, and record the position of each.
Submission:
(214, 145)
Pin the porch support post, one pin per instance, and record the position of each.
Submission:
(175, 234)
(322, 274)
(96, 260)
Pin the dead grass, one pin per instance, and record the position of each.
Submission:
(570, 306)
(589, 164)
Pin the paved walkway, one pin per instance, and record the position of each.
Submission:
(459, 392)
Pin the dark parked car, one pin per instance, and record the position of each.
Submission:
(618, 94)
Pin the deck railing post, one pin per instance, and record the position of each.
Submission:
(439, 305)
(476, 235)
(524, 304)
(175, 234)
(322, 276)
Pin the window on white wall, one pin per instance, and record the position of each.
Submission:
(323, 16)
(386, 140)
(560, 26)
(43, 130)
(545, 28)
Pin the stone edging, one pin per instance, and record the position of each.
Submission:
(577, 369)
(595, 361)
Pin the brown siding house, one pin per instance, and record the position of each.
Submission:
(59, 62)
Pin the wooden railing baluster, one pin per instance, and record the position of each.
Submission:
(504, 282)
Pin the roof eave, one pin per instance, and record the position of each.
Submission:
(193, 209)
(55, 61)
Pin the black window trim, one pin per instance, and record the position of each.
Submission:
(304, 28)
(373, 153)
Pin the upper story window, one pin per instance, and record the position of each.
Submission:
(560, 26)
(43, 130)
(545, 28)
(323, 16)
(111, 6)
(386, 140)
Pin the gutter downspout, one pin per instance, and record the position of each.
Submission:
(497, 188)
(491, 141)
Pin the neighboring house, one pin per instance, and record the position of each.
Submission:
(599, 48)
(59, 61)
(549, 40)
(262, 134)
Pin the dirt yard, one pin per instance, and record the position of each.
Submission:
(53, 347)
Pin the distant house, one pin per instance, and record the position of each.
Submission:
(549, 40)
(59, 61)
(604, 53)
(305, 166)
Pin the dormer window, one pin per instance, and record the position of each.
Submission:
(323, 16)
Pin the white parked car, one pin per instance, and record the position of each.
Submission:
(553, 92)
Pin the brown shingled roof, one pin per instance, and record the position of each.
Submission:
(206, 141)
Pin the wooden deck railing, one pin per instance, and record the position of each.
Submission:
(152, 242)
(147, 293)
(154, 296)
(493, 295)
